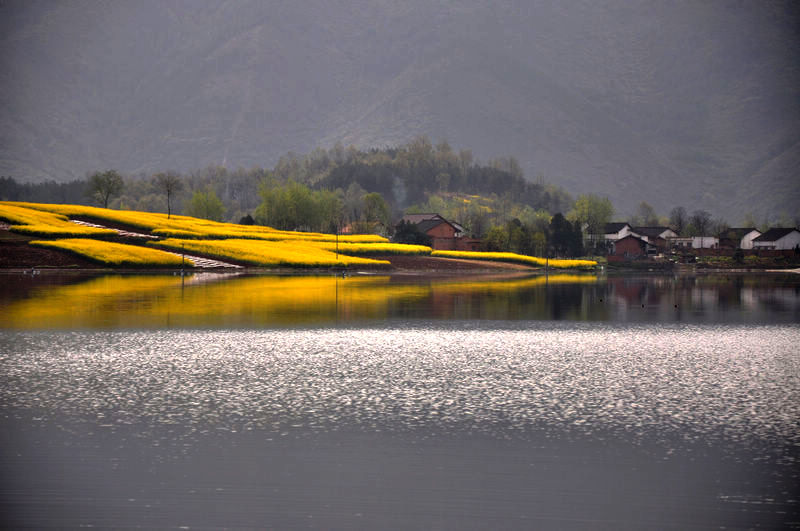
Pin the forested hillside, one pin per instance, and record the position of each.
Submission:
(692, 103)
(403, 175)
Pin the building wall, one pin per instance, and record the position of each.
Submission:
(747, 240)
(455, 244)
(788, 242)
(442, 230)
(468, 244)
(629, 247)
(443, 244)
(705, 242)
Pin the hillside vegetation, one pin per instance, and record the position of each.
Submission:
(232, 243)
(692, 103)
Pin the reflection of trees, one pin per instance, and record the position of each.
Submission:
(294, 300)
(214, 300)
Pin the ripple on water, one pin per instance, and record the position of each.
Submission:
(740, 383)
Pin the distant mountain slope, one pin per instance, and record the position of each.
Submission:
(694, 103)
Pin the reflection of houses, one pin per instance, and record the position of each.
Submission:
(778, 239)
(445, 235)
(738, 238)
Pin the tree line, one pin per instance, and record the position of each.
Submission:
(365, 190)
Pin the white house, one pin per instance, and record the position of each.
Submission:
(617, 231)
(739, 238)
(681, 242)
(653, 233)
(705, 242)
(778, 239)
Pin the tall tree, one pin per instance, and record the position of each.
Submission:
(376, 209)
(718, 226)
(103, 186)
(170, 183)
(678, 219)
(205, 204)
(561, 236)
(593, 211)
(645, 215)
(700, 220)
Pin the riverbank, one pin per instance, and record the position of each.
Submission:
(16, 254)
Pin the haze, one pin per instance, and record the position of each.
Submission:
(690, 103)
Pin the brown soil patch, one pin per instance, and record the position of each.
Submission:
(22, 255)
(430, 263)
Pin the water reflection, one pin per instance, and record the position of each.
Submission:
(215, 300)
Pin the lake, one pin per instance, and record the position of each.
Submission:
(397, 402)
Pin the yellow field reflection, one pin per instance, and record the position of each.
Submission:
(210, 300)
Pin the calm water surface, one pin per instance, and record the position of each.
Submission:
(572, 402)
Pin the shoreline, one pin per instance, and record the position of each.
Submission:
(18, 257)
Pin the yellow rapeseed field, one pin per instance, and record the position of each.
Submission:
(115, 253)
(188, 227)
(36, 222)
(517, 259)
(373, 248)
(266, 253)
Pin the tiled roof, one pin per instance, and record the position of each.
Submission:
(737, 233)
(774, 234)
(428, 224)
(612, 228)
(418, 218)
(650, 232)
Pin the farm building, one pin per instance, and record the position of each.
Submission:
(778, 239)
(445, 235)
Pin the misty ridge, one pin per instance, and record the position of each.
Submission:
(692, 104)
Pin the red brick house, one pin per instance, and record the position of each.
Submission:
(630, 248)
(445, 235)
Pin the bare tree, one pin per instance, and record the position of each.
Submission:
(170, 183)
(701, 221)
(678, 219)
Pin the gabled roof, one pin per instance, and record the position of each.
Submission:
(418, 218)
(650, 232)
(613, 228)
(428, 224)
(633, 237)
(773, 235)
(737, 233)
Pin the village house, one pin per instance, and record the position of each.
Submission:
(738, 238)
(630, 247)
(616, 231)
(780, 239)
(659, 237)
(681, 242)
(705, 242)
(445, 235)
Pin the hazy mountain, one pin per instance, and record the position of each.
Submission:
(694, 103)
